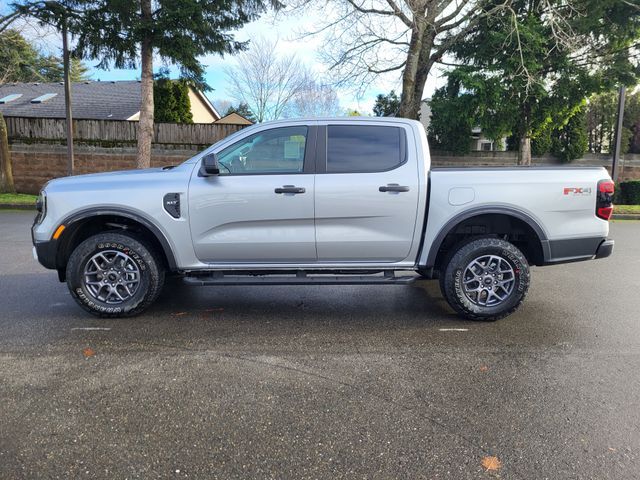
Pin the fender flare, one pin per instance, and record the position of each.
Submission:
(130, 214)
(486, 210)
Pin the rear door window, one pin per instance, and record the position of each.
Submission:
(364, 148)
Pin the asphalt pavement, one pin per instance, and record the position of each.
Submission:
(326, 382)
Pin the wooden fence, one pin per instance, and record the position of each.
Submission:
(123, 131)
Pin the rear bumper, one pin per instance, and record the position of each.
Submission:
(605, 249)
(578, 249)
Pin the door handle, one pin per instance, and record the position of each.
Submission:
(393, 187)
(290, 189)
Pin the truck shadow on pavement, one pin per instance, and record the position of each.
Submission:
(184, 313)
(419, 303)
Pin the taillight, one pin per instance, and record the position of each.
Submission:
(604, 201)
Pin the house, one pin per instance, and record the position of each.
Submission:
(478, 141)
(89, 101)
(235, 119)
(425, 113)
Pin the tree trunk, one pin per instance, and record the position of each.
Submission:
(67, 98)
(415, 75)
(407, 99)
(524, 132)
(6, 172)
(524, 154)
(145, 124)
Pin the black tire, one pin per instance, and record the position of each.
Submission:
(453, 276)
(143, 259)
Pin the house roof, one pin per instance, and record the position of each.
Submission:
(234, 119)
(89, 100)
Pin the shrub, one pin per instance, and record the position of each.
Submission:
(630, 192)
(541, 143)
(617, 194)
(171, 101)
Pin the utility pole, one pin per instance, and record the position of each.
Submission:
(616, 151)
(67, 97)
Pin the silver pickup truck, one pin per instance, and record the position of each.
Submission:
(320, 201)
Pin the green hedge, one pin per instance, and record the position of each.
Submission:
(628, 193)
(617, 194)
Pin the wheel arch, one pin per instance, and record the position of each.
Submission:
(82, 224)
(490, 216)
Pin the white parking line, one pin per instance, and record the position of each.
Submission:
(453, 329)
(91, 328)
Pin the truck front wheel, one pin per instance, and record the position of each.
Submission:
(485, 279)
(114, 275)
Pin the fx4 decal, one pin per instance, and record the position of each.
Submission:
(577, 191)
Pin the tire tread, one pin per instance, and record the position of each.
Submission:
(150, 256)
(447, 286)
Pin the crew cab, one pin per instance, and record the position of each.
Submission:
(320, 201)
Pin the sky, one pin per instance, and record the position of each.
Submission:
(285, 29)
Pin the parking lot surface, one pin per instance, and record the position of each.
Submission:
(322, 381)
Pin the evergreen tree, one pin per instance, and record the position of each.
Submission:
(126, 33)
(387, 105)
(570, 142)
(164, 101)
(20, 61)
(539, 59)
(171, 100)
(452, 118)
(183, 104)
(242, 109)
(602, 115)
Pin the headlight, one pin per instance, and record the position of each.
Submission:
(41, 206)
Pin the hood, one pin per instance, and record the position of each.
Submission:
(124, 179)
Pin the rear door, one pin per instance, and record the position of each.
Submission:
(259, 209)
(366, 194)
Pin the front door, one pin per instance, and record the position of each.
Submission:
(259, 209)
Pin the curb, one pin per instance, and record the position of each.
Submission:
(17, 206)
(626, 216)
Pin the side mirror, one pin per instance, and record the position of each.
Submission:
(209, 166)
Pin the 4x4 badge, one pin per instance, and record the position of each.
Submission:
(577, 191)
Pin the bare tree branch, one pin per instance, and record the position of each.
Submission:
(389, 69)
(265, 81)
(399, 13)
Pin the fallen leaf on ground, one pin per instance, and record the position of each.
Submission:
(491, 463)
(484, 368)
(88, 352)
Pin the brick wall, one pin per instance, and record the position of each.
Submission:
(35, 164)
(629, 165)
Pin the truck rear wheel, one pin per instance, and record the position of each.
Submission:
(485, 279)
(114, 275)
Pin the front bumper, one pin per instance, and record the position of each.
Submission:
(46, 252)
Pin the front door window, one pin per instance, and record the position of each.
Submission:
(279, 150)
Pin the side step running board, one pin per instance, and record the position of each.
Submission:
(299, 279)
